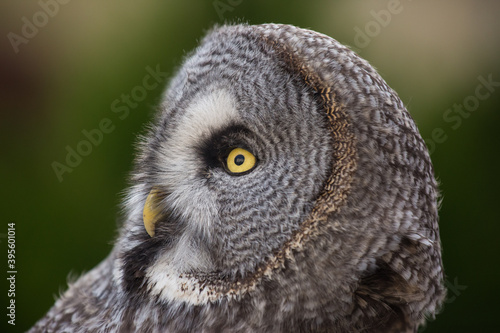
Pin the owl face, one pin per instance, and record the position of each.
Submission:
(283, 187)
(234, 165)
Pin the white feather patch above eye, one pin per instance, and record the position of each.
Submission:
(210, 112)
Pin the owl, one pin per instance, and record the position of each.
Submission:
(282, 187)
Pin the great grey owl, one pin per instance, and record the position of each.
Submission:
(282, 187)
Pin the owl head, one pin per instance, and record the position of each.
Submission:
(283, 186)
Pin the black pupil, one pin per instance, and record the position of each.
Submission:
(239, 159)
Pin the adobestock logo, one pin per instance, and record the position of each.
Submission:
(455, 115)
(225, 6)
(30, 27)
(373, 28)
(120, 106)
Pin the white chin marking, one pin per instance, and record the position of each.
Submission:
(166, 280)
(171, 286)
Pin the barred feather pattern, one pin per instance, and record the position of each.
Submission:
(334, 230)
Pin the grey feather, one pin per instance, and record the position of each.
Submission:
(334, 229)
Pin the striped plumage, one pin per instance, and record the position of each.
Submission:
(333, 229)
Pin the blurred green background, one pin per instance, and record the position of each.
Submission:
(65, 76)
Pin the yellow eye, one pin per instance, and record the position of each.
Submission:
(152, 211)
(240, 160)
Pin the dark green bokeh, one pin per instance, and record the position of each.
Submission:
(65, 79)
